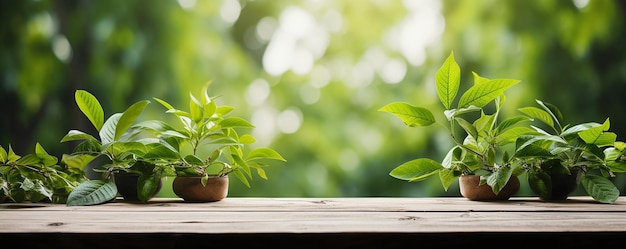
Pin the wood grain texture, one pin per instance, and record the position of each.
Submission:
(330, 218)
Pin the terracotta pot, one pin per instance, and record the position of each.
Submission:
(126, 184)
(470, 189)
(191, 189)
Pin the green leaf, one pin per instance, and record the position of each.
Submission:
(411, 115)
(511, 135)
(128, 117)
(416, 170)
(73, 135)
(480, 95)
(194, 160)
(511, 122)
(600, 188)
(498, 179)
(195, 109)
(448, 79)
(148, 185)
(235, 122)
(90, 106)
(447, 177)
(92, 192)
(540, 183)
(539, 114)
(107, 133)
(479, 79)
(77, 161)
(264, 153)
(468, 127)
(597, 136)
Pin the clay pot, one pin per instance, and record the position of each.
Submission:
(470, 189)
(191, 189)
(126, 184)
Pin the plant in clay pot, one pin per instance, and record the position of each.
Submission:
(481, 154)
(558, 158)
(206, 148)
(117, 142)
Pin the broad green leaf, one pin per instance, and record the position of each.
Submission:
(3, 155)
(600, 188)
(597, 136)
(456, 112)
(541, 184)
(224, 110)
(534, 148)
(264, 153)
(235, 122)
(107, 133)
(194, 160)
(539, 114)
(416, 170)
(29, 159)
(92, 192)
(447, 177)
(128, 117)
(196, 109)
(468, 127)
(479, 79)
(247, 139)
(44, 157)
(73, 135)
(448, 79)
(77, 161)
(511, 122)
(481, 94)
(498, 179)
(510, 135)
(148, 185)
(553, 110)
(241, 164)
(241, 177)
(90, 106)
(411, 115)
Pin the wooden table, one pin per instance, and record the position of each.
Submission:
(316, 223)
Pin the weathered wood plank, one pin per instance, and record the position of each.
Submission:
(318, 215)
(380, 204)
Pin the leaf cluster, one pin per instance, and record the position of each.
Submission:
(36, 177)
(588, 150)
(204, 143)
(482, 151)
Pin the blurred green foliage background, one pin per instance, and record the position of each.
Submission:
(309, 74)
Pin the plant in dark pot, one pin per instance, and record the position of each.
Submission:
(207, 148)
(558, 158)
(121, 146)
(481, 156)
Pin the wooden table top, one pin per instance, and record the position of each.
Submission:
(311, 216)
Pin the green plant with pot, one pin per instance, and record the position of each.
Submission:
(483, 141)
(558, 157)
(204, 142)
(36, 177)
(122, 147)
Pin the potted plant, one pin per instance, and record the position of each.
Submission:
(558, 157)
(481, 156)
(118, 143)
(205, 148)
(36, 177)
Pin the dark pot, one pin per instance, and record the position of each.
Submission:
(190, 188)
(470, 189)
(563, 185)
(127, 185)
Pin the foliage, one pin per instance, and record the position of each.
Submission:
(588, 149)
(483, 151)
(36, 177)
(116, 142)
(206, 143)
